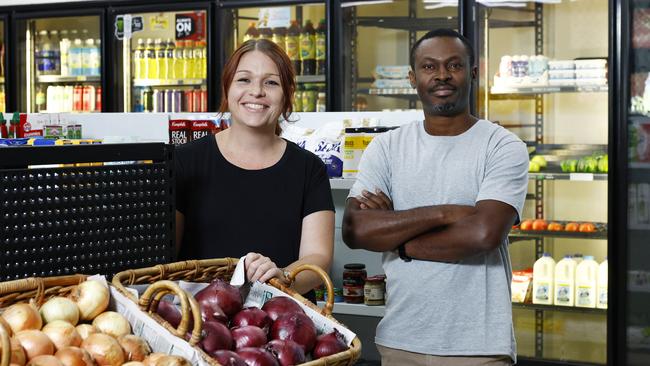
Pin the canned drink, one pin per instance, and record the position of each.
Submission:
(204, 100)
(196, 97)
(88, 98)
(177, 100)
(169, 101)
(158, 101)
(188, 101)
(146, 101)
(98, 99)
(77, 98)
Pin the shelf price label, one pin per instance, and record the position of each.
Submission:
(582, 177)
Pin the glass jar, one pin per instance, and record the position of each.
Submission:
(374, 290)
(354, 278)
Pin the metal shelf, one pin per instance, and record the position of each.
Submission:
(532, 90)
(576, 177)
(310, 79)
(340, 183)
(564, 309)
(68, 79)
(406, 23)
(168, 82)
(599, 234)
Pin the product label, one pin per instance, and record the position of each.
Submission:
(201, 128)
(178, 132)
(602, 299)
(321, 44)
(353, 291)
(543, 291)
(307, 47)
(583, 295)
(563, 295)
(293, 48)
(373, 293)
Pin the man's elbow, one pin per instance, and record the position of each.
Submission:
(488, 240)
(350, 231)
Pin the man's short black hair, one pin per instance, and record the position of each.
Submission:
(443, 32)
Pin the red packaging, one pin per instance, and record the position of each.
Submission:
(88, 98)
(98, 99)
(203, 98)
(33, 133)
(179, 131)
(188, 101)
(196, 100)
(77, 98)
(201, 128)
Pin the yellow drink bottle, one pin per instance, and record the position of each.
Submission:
(178, 60)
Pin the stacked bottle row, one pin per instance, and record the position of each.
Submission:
(306, 46)
(170, 101)
(67, 53)
(165, 60)
(68, 98)
(309, 98)
(573, 281)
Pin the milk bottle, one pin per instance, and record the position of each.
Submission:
(602, 285)
(586, 282)
(564, 281)
(543, 275)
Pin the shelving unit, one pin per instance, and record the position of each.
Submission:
(310, 79)
(532, 90)
(576, 177)
(168, 82)
(55, 79)
(600, 234)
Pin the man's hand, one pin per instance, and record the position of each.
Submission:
(375, 201)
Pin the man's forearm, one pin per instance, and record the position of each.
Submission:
(385, 230)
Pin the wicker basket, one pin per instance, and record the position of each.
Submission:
(37, 289)
(206, 271)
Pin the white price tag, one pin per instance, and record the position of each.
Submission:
(584, 177)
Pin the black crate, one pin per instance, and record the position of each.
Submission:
(85, 219)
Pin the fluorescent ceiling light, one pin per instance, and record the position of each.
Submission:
(373, 2)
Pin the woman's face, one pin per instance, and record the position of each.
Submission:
(255, 95)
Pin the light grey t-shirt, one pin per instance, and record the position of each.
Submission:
(437, 308)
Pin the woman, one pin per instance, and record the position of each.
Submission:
(245, 189)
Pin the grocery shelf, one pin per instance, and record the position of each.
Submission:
(340, 183)
(548, 90)
(46, 79)
(356, 309)
(576, 177)
(407, 23)
(310, 78)
(599, 234)
(168, 82)
(564, 309)
(392, 92)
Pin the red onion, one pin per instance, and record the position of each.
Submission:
(228, 358)
(279, 305)
(219, 298)
(295, 327)
(248, 336)
(169, 312)
(252, 316)
(215, 336)
(287, 352)
(257, 357)
(329, 344)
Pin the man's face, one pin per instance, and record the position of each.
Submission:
(442, 76)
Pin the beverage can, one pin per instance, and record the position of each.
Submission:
(188, 101)
(158, 101)
(203, 98)
(147, 100)
(177, 100)
(98, 99)
(77, 98)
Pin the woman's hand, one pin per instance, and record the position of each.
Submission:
(261, 268)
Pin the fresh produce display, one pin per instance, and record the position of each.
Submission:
(51, 335)
(588, 164)
(280, 333)
(543, 225)
(537, 163)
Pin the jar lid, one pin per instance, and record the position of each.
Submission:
(354, 266)
(377, 278)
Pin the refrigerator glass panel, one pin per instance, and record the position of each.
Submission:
(378, 36)
(60, 63)
(638, 250)
(301, 30)
(162, 61)
(543, 75)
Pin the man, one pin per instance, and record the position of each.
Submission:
(438, 198)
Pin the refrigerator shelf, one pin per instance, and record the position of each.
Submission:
(576, 177)
(406, 23)
(564, 309)
(530, 91)
(310, 79)
(168, 82)
(47, 79)
(599, 234)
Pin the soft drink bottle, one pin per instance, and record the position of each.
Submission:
(321, 47)
(188, 60)
(292, 46)
(139, 61)
(308, 49)
(98, 99)
(55, 53)
(161, 62)
(75, 54)
(169, 59)
(178, 60)
(64, 50)
(279, 35)
(150, 56)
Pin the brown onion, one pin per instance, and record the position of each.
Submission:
(167, 360)
(104, 349)
(85, 330)
(74, 356)
(152, 358)
(35, 343)
(22, 317)
(135, 348)
(62, 334)
(112, 323)
(92, 299)
(18, 356)
(133, 363)
(45, 360)
(6, 325)
(60, 308)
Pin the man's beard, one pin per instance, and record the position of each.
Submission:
(444, 109)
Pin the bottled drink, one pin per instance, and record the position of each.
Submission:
(204, 60)
(178, 60)
(139, 62)
(308, 49)
(266, 33)
(251, 32)
(169, 59)
(75, 59)
(64, 49)
(564, 288)
(292, 46)
(321, 47)
(602, 285)
(97, 60)
(55, 53)
(150, 57)
(197, 59)
(543, 280)
(188, 60)
(161, 63)
(586, 283)
(2, 62)
(98, 99)
(3, 106)
(279, 35)
(44, 54)
(39, 99)
(68, 96)
(87, 45)
(92, 58)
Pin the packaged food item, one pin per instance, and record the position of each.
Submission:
(179, 131)
(53, 131)
(374, 290)
(521, 286)
(354, 278)
(561, 65)
(352, 151)
(392, 72)
(202, 128)
(596, 63)
(326, 143)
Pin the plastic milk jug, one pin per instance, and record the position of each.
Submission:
(601, 294)
(543, 274)
(586, 283)
(564, 281)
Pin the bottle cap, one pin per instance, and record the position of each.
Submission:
(589, 257)
(354, 266)
(546, 255)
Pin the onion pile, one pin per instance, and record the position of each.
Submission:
(63, 342)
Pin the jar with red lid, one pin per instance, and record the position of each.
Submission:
(354, 278)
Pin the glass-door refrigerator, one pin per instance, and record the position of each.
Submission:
(298, 27)
(3, 62)
(543, 74)
(59, 60)
(377, 38)
(161, 61)
(633, 189)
